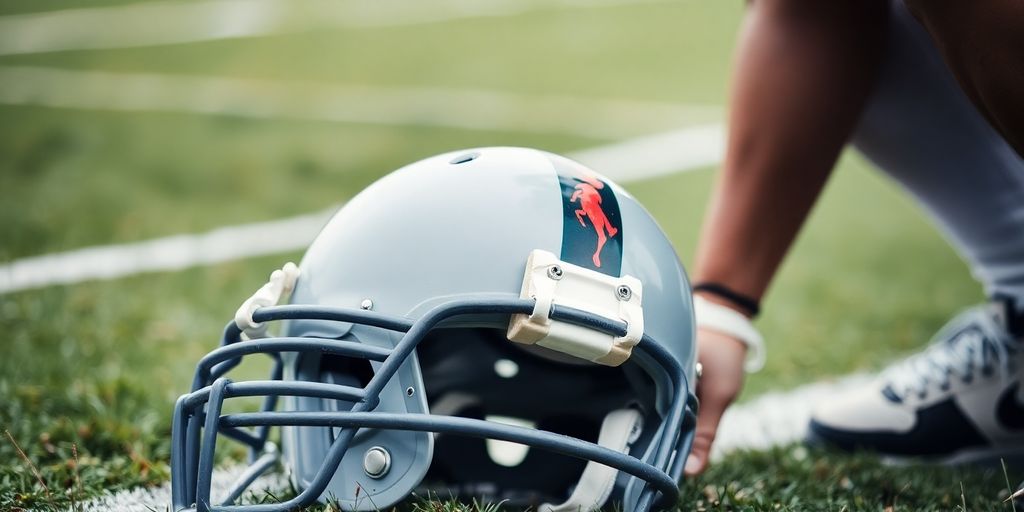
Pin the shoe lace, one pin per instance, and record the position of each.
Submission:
(972, 341)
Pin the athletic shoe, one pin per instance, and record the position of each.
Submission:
(961, 400)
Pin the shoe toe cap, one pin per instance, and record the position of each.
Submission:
(863, 410)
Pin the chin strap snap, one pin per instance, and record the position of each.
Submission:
(550, 281)
(619, 430)
(280, 285)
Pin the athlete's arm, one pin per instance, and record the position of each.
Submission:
(803, 72)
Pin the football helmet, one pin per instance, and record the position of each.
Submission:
(495, 323)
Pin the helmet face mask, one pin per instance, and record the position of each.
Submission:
(395, 351)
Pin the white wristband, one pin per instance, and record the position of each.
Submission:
(725, 320)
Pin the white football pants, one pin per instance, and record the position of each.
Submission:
(923, 131)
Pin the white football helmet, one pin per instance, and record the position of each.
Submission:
(461, 303)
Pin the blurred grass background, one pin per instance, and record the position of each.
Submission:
(98, 364)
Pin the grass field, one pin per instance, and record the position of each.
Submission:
(97, 365)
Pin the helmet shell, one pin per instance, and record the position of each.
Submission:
(459, 225)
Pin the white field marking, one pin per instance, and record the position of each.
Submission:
(158, 499)
(158, 23)
(162, 254)
(645, 157)
(773, 419)
(470, 109)
(777, 418)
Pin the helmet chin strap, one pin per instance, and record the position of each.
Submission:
(280, 285)
(619, 430)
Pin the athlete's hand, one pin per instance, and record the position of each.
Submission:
(722, 359)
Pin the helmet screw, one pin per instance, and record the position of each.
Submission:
(623, 292)
(366, 304)
(376, 462)
(555, 272)
(461, 159)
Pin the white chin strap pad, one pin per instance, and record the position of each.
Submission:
(550, 281)
(619, 430)
(280, 286)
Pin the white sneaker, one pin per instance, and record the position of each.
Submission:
(961, 400)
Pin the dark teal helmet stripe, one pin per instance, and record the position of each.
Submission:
(591, 221)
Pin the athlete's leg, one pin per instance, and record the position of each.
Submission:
(921, 129)
(983, 43)
(956, 401)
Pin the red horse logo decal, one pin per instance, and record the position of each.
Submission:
(590, 207)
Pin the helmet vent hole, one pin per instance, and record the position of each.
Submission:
(410, 391)
(463, 158)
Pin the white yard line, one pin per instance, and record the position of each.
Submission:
(641, 158)
(777, 418)
(158, 23)
(158, 499)
(470, 109)
(162, 254)
(773, 419)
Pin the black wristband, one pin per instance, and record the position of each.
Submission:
(751, 305)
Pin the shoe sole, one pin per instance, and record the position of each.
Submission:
(970, 457)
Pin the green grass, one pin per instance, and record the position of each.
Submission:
(143, 175)
(795, 478)
(672, 51)
(96, 366)
(38, 6)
